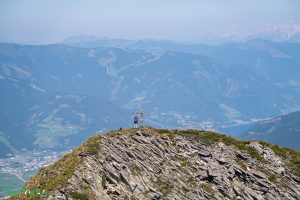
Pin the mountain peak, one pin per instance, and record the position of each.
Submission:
(148, 163)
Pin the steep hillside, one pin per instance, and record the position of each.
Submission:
(44, 102)
(149, 163)
(33, 118)
(283, 130)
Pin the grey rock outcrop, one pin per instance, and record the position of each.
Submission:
(152, 164)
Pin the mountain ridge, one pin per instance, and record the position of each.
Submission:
(148, 163)
(282, 130)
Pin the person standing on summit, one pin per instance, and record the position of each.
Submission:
(135, 120)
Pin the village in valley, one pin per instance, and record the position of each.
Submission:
(22, 166)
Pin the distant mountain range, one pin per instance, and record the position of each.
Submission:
(54, 96)
(261, 73)
(91, 41)
(283, 130)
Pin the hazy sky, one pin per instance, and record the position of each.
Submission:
(190, 20)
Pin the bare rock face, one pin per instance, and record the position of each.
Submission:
(161, 164)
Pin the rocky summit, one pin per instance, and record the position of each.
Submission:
(148, 163)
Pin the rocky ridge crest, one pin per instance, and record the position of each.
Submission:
(150, 163)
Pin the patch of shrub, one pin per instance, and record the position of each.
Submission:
(272, 178)
(206, 187)
(164, 186)
(79, 196)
